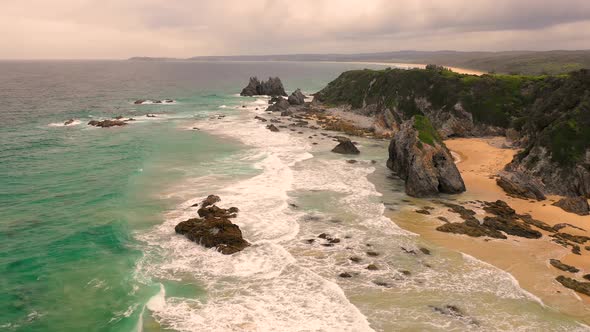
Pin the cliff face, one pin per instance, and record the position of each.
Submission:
(549, 117)
(420, 158)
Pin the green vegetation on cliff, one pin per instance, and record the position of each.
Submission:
(426, 132)
(551, 111)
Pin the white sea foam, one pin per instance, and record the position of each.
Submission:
(62, 124)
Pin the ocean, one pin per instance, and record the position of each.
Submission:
(87, 214)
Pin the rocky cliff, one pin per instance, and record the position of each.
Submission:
(418, 156)
(548, 117)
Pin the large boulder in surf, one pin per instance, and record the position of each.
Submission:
(297, 98)
(346, 147)
(577, 205)
(214, 229)
(272, 87)
(520, 185)
(280, 106)
(107, 123)
(418, 156)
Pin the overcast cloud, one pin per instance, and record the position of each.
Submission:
(184, 28)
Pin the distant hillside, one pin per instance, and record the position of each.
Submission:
(513, 62)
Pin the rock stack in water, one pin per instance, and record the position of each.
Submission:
(214, 229)
(272, 87)
(418, 156)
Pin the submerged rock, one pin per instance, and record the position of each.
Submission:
(69, 122)
(214, 229)
(420, 158)
(346, 147)
(272, 87)
(578, 205)
(107, 123)
(520, 185)
(297, 98)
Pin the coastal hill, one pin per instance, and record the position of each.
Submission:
(548, 117)
(512, 62)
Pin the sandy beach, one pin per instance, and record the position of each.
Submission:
(527, 260)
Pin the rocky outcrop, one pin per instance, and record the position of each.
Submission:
(520, 185)
(214, 229)
(272, 87)
(577, 205)
(107, 123)
(420, 158)
(504, 221)
(578, 286)
(556, 263)
(297, 98)
(272, 128)
(280, 106)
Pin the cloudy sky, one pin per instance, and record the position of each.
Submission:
(183, 28)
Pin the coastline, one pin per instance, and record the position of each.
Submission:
(526, 260)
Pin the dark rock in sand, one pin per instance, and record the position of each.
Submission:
(345, 275)
(511, 227)
(586, 276)
(422, 211)
(580, 287)
(537, 223)
(372, 267)
(297, 98)
(372, 253)
(272, 87)
(471, 228)
(355, 259)
(69, 122)
(260, 118)
(578, 205)
(107, 123)
(556, 263)
(425, 251)
(520, 185)
(581, 239)
(272, 128)
(426, 167)
(287, 113)
(346, 148)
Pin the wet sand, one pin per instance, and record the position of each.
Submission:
(526, 259)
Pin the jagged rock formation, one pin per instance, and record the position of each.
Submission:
(577, 205)
(214, 229)
(297, 98)
(420, 158)
(547, 116)
(272, 87)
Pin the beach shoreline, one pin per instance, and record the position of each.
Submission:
(525, 259)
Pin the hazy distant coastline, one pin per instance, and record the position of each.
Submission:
(509, 62)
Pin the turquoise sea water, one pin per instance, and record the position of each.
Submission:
(87, 214)
(71, 197)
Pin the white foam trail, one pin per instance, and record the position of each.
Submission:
(62, 124)
(261, 288)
